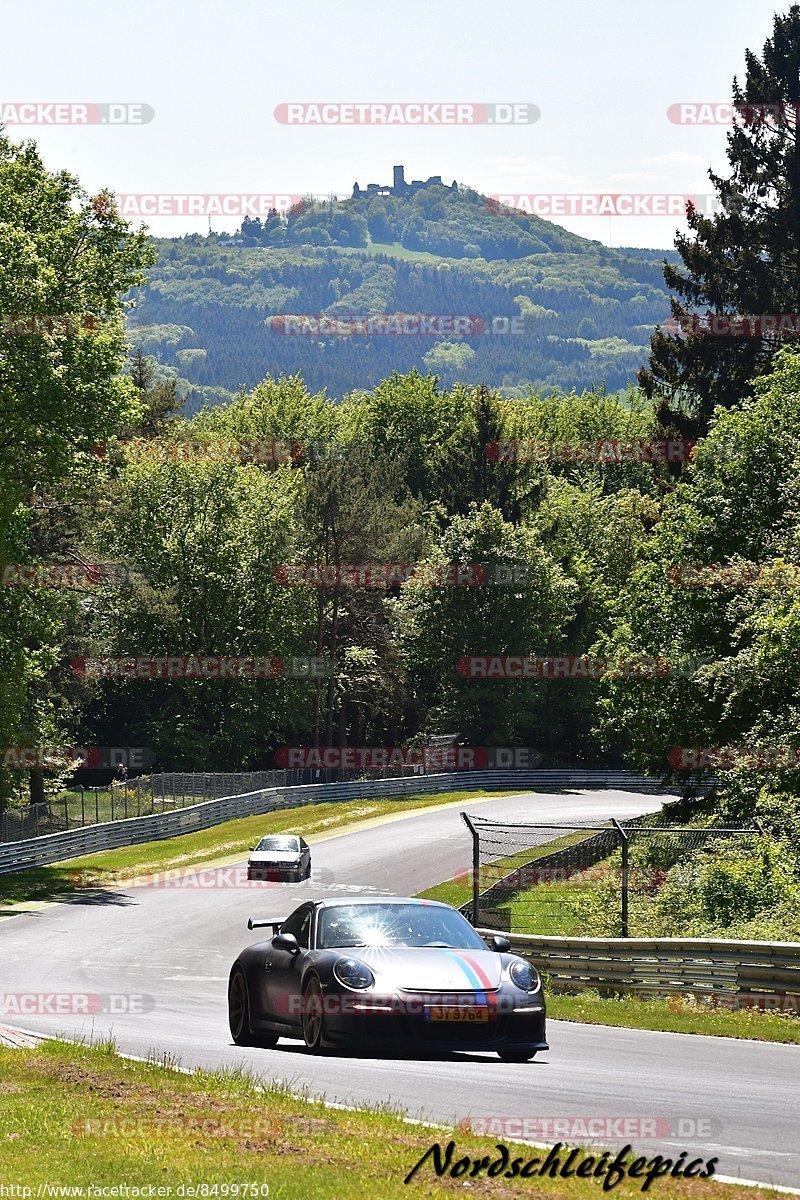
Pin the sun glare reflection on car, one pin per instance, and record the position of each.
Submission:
(411, 926)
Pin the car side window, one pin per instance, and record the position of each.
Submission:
(299, 923)
(303, 844)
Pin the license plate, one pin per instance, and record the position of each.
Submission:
(453, 1012)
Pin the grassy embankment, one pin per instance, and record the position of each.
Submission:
(73, 1115)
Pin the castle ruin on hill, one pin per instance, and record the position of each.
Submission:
(399, 187)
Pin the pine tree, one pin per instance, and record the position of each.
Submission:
(744, 259)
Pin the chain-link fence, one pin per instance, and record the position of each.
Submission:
(146, 795)
(31, 821)
(75, 808)
(603, 879)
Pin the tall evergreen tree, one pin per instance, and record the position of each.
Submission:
(744, 259)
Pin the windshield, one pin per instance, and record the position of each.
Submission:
(279, 843)
(416, 925)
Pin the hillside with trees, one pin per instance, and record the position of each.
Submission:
(584, 313)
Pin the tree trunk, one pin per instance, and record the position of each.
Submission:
(332, 677)
(318, 680)
(37, 787)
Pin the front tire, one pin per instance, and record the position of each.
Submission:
(239, 1015)
(512, 1056)
(313, 1015)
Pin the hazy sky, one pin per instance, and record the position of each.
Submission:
(603, 76)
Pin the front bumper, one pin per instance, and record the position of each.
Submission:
(405, 1023)
(274, 874)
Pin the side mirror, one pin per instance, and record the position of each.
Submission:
(501, 945)
(286, 941)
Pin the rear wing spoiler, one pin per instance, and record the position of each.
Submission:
(273, 923)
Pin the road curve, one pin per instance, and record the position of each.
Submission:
(737, 1100)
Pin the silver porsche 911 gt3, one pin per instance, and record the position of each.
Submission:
(388, 971)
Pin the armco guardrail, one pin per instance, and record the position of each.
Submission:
(57, 847)
(766, 973)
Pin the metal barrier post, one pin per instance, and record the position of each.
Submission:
(83, 810)
(624, 837)
(476, 869)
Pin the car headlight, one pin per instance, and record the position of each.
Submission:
(353, 974)
(524, 976)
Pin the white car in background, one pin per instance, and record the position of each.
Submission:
(280, 856)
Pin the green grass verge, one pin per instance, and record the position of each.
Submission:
(75, 1116)
(676, 1014)
(193, 849)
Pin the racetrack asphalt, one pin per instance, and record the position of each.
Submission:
(174, 945)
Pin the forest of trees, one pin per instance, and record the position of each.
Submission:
(580, 556)
(207, 310)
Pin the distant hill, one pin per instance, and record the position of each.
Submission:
(588, 310)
